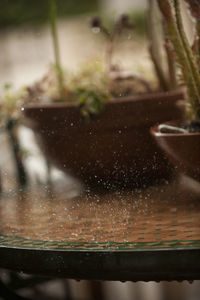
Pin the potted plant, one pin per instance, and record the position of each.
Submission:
(181, 139)
(100, 138)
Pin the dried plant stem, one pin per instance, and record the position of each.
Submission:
(171, 65)
(182, 60)
(154, 48)
(194, 7)
(1, 188)
(109, 54)
(53, 18)
(126, 75)
(158, 69)
(198, 41)
(188, 51)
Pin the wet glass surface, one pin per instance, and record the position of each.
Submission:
(157, 217)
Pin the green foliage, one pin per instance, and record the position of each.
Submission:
(89, 88)
(17, 12)
(91, 102)
(10, 102)
(90, 75)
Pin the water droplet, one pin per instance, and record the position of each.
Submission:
(96, 30)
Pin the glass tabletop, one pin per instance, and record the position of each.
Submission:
(160, 219)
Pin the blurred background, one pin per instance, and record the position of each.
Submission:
(26, 50)
(26, 54)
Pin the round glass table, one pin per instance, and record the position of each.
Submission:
(145, 234)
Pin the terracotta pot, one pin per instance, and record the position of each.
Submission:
(183, 149)
(114, 147)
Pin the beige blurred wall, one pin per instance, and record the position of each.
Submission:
(121, 6)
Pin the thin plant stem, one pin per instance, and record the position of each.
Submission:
(54, 33)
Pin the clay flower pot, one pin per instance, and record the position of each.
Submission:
(114, 147)
(183, 149)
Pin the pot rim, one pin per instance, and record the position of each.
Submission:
(117, 100)
(154, 130)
